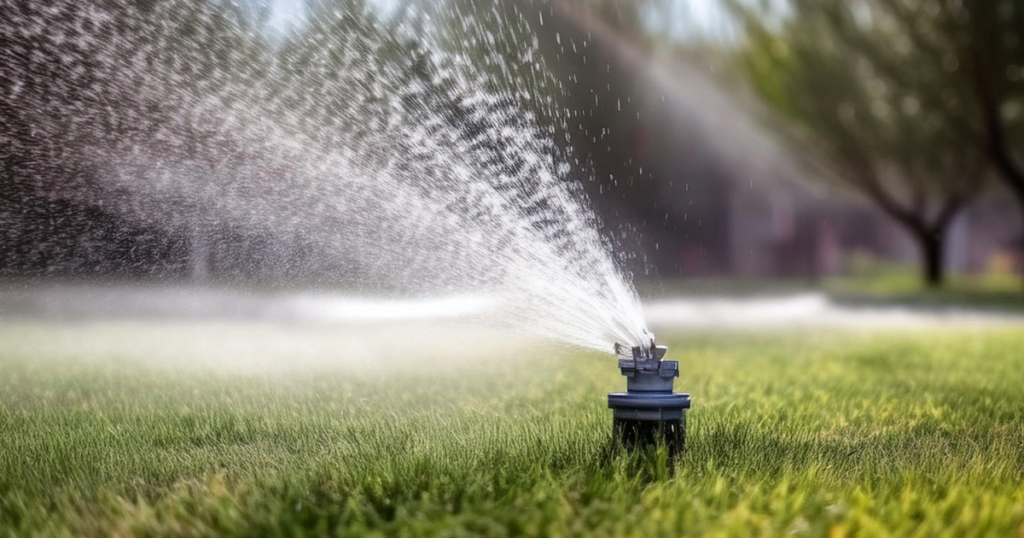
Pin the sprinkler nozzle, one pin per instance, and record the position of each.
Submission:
(649, 411)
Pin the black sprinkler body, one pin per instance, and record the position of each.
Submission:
(649, 412)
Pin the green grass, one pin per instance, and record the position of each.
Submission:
(892, 284)
(895, 286)
(791, 434)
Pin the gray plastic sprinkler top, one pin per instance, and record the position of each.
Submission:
(649, 411)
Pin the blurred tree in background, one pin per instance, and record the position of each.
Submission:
(965, 59)
(908, 101)
(866, 132)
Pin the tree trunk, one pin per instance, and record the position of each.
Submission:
(1011, 174)
(1013, 177)
(1018, 245)
(1010, 170)
(932, 253)
(1000, 149)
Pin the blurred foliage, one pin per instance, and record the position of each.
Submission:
(865, 131)
(963, 59)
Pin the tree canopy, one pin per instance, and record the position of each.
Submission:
(865, 114)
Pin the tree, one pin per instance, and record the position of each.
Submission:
(964, 59)
(868, 134)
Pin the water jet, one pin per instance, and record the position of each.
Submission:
(384, 159)
(649, 412)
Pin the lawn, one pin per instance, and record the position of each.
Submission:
(888, 285)
(801, 434)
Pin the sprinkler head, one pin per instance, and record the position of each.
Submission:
(649, 412)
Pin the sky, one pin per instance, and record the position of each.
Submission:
(685, 17)
(285, 13)
(688, 18)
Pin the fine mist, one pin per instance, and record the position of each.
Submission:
(390, 155)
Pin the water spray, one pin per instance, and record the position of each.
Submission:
(649, 412)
